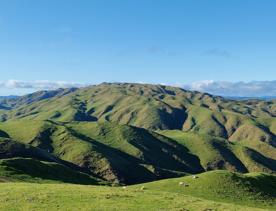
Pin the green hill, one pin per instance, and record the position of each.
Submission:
(22, 162)
(133, 133)
(153, 107)
(13, 102)
(218, 153)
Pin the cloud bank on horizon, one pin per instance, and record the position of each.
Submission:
(17, 87)
(43, 84)
(237, 89)
(222, 88)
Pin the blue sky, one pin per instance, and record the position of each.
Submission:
(153, 41)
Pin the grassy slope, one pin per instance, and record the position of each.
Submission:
(218, 153)
(218, 190)
(22, 162)
(65, 197)
(108, 149)
(126, 154)
(10, 148)
(157, 107)
(23, 130)
(256, 189)
(31, 170)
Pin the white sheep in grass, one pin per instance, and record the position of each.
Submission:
(195, 177)
(124, 187)
(183, 184)
(143, 188)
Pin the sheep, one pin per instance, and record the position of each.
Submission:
(124, 187)
(143, 188)
(183, 184)
(195, 177)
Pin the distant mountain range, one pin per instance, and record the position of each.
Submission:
(8, 97)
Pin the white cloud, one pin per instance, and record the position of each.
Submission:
(218, 52)
(239, 89)
(38, 85)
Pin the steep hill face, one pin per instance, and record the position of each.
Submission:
(23, 162)
(132, 133)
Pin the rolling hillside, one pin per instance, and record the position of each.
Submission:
(134, 133)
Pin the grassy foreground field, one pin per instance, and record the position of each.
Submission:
(216, 190)
(26, 196)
